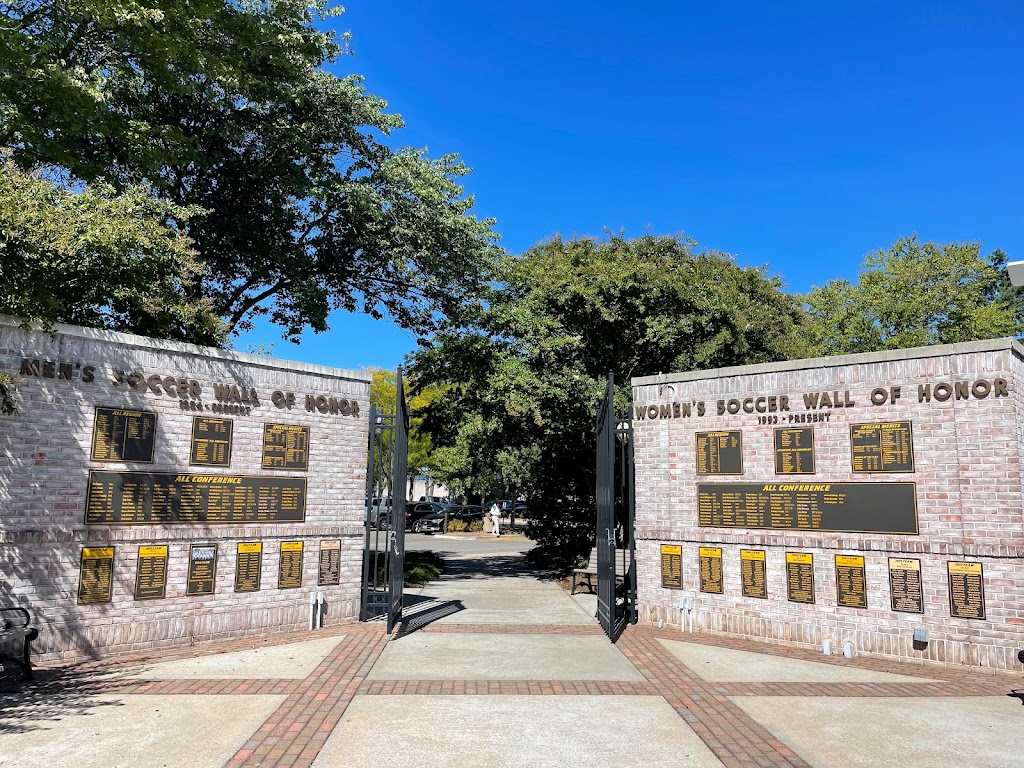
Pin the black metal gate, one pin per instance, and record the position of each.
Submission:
(616, 573)
(384, 548)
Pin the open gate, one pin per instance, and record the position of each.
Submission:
(616, 571)
(384, 546)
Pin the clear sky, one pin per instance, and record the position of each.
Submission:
(800, 136)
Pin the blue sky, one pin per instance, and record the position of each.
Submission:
(800, 136)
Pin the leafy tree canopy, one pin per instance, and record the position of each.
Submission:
(298, 204)
(383, 389)
(915, 294)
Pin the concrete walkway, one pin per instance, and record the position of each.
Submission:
(496, 666)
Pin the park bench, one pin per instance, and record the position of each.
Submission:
(623, 562)
(11, 632)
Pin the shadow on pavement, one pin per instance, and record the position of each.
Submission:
(54, 694)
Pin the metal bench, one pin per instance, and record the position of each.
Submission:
(11, 631)
(623, 561)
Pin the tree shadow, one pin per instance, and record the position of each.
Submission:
(54, 695)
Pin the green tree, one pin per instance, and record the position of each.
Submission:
(526, 371)
(915, 294)
(299, 203)
(383, 389)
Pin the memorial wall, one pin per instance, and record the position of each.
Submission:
(154, 493)
(853, 499)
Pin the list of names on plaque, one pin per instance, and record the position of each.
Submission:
(753, 575)
(720, 453)
(248, 566)
(154, 498)
(794, 450)
(905, 589)
(211, 441)
(151, 573)
(329, 571)
(711, 570)
(885, 447)
(285, 446)
(289, 575)
(202, 569)
(851, 581)
(966, 590)
(800, 577)
(123, 435)
(96, 575)
(671, 566)
(847, 507)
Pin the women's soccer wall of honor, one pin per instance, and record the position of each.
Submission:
(194, 474)
(821, 500)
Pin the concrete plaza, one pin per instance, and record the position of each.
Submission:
(497, 666)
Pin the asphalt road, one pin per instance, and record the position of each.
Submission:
(461, 547)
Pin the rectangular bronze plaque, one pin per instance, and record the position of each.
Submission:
(285, 446)
(884, 447)
(211, 441)
(157, 498)
(720, 453)
(966, 590)
(96, 575)
(753, 576)
(289, 573)
(671, 566)
(794, 450)
(330, 563)
(905, 590)
(845, 507)
(151, 573)
(800, 577)
(851, 582)
(248, 566)
(711, 570)
(202, 569)
(123, 435)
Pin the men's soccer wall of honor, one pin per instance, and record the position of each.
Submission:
(202, 569)
(289, 572)
(329, 571)
(248, 566)
(123, 435)
(671, 566)
(151, 572)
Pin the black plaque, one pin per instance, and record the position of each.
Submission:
(720, 453)
(289, 573)
(671, 566)
(794, 450)
(851, 582)
(211, 441)
(285, 446)
(800, 577)
(158, 498)
(123, 435)
(248, 566)
(330, 563)
(711, 570)
(753, 575)
(966, 590)
(841, 507)
(202, 569)
(96, 575)
(151, 572)
(905, 588)
(883, 447)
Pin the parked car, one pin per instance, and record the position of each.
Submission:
(434, 523)
(378, 513)
(417, 510)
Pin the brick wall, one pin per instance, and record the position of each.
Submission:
(968, 459)
(45, 463)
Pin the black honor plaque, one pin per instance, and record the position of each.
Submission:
(285, 446)
(845, 507)
(329, 571)
(671, 566)
(966, 590)
(211, 442)
(711, 570)
(202, 569)
(96, 575)
(123, 435)
(800, 577)
(905, 589)
(289, 572)
(157, 498)
(151, 572)
(720, 453)
(851, 582)
(794, 450)
(248, 565)
(885, 447)
(753, 576)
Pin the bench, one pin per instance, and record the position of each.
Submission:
(623, 562)
(12, 631)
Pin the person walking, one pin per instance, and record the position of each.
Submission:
(496, 519)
